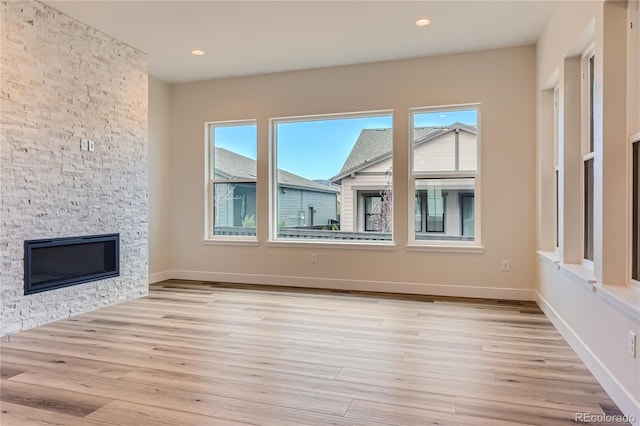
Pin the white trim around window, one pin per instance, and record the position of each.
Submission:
(231, 164)
(295, 227)
(456, 173)
(587, 66)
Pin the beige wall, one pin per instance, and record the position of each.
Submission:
(502, 81)
(159, 179)
(594, 308)
(633, 75)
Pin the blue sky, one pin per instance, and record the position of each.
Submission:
(317, 149)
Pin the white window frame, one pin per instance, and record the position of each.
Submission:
(274, 240)
(587, 152)
(210, 182)
(476, 175)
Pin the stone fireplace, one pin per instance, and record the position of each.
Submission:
(62, 84)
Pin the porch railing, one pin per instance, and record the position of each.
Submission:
(307, 233)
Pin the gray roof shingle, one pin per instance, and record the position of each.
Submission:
(373, 145)
(230, 165)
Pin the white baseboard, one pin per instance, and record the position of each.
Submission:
(159, 276)
(359, 285)
(611, 385)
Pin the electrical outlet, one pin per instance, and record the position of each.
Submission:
(84, 144)
(92, 145)
(631, 343)
(314, 258)
(505, 266)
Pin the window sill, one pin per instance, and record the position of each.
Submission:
(550, 257)
(231, 242)
(333, 245)
(625, 299)
(444, 249)
(581, 274)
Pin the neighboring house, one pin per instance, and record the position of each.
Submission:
(301, 202)
(444, 207)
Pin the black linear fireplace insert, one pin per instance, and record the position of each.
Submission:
(62, 262)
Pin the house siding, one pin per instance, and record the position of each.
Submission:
(294, 204)
(223, 208)
(468, 151)
(438, 154)
(351, 217)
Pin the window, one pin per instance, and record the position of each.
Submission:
(467, 214)
(430, 209)
(232, 149)
(333, 178)
(588, 159)
(444, 166)
(588, 209)
(556, 161)
(635, 274)
(372, 212)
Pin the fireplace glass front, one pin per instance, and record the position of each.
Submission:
(62, 262)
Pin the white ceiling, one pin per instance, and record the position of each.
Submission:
(255, 37)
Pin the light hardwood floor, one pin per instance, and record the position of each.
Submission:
(199, 353)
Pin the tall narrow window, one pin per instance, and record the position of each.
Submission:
(636, 212)
(588, 209)
(232, 149)
(556, 162)
(340, 165)
(591, 103)
(444, 175)
(588, 159)
(557, 205)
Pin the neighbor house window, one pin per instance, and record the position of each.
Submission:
(588, 158)
(372, 205)
(444, 174)
(341, 166)
(636, 213)
(430, 209)
(232, 149)
(467, 214)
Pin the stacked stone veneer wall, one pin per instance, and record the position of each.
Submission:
(61, 81)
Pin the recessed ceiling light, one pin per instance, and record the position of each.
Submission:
(197, 52)
(422, 22)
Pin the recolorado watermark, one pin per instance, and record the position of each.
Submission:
(604, 418)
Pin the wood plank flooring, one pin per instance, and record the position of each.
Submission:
(200, 353)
